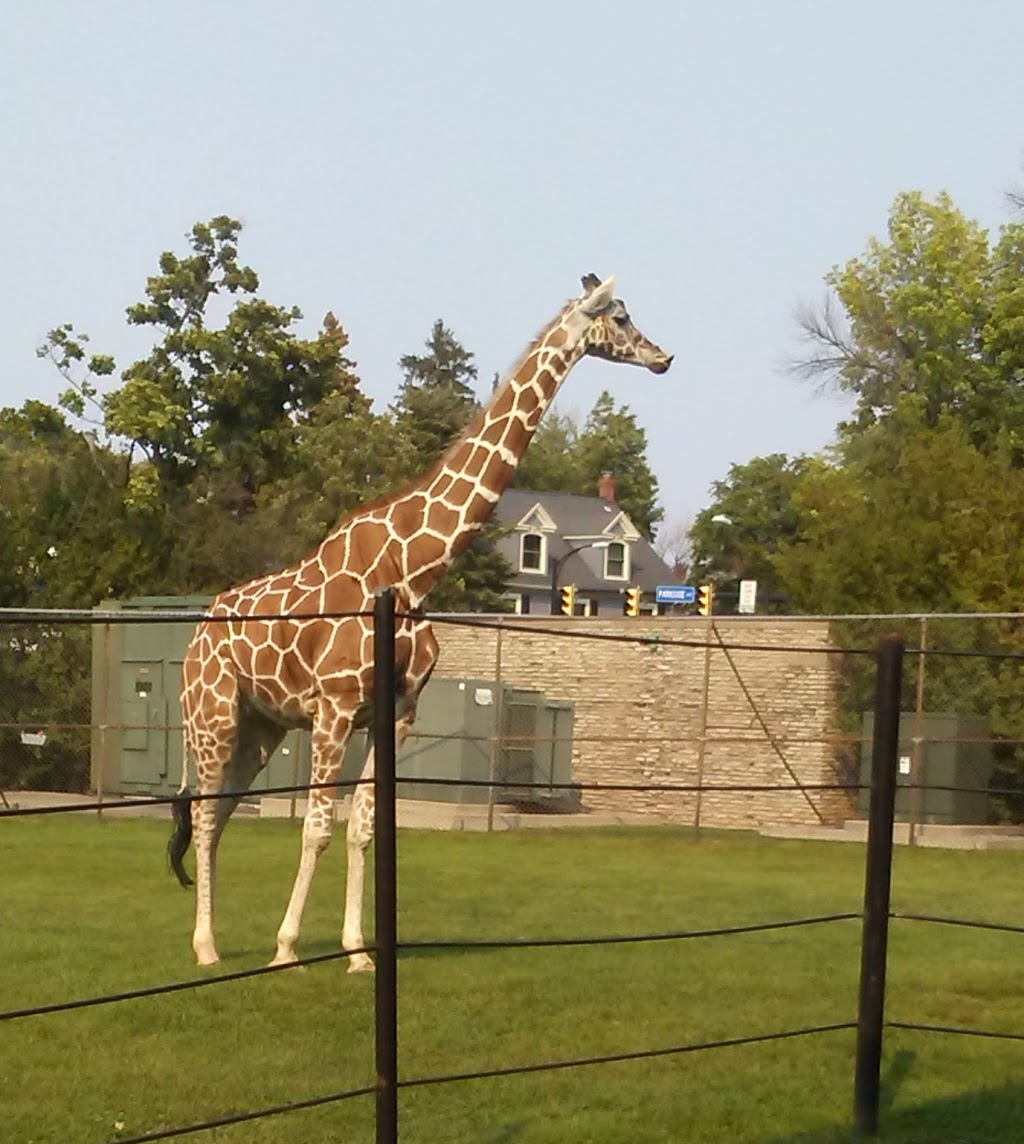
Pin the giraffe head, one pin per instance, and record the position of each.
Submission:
(607, 331)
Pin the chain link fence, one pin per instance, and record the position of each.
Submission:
(963, 710)
(680, 707)
(45, 706)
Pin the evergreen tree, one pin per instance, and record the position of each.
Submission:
(434, 404)
(613, 442)
(436, 397)
(551, 463)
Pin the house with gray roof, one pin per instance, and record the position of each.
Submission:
(557, 539)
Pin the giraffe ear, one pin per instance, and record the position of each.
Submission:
(598, 296)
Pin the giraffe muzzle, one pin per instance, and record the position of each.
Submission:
(660, 365)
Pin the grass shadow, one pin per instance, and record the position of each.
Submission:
(983, 1116)
(893, 1078)
(508, 1133)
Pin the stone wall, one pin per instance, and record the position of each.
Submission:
(641, 715)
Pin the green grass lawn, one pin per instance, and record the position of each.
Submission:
(88, 908)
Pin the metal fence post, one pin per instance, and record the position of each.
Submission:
(385, 888)
(702, 728)
(105, 716)
(496, 737)
(877, 884)
(916, 743)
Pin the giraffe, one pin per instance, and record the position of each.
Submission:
(245, 682)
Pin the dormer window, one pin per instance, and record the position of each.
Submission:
(531, 552)
(616, 563)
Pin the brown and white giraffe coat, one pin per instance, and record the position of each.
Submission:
(247, 680)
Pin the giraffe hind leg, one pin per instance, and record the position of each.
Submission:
(226, 767)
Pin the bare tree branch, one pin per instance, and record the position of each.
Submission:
(674, 545)
(830, 351)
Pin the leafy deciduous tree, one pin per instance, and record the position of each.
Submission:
(932, 324)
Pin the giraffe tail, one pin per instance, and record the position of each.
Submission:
(181, 811)
(181, 839)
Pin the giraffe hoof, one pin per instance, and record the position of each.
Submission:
(286, 959)
(361, 963)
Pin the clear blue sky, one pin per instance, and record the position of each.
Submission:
(399, 162)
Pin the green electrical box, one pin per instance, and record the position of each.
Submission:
(955, 752)
(137, 739)
(536, 749)
(452, 740)
(136, 680)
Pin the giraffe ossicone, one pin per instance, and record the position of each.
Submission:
(249, 675)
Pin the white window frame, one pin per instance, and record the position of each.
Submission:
(541, 568)
(625, 562)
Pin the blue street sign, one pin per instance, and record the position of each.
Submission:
(675, 594)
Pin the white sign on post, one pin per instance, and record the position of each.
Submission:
(748, 597)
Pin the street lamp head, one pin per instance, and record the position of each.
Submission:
(556, 566)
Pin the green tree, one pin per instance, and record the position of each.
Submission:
(932, 323)
(336, 456)
(213, 401)
(213, 414)
(612, 441)
(62, 543)
(477, 580)
(436, 398)
(435, 402)
(750, 516)
(45, 682)
(565, 457)
(551, 463)
(346, 455)
(940, 527)
(67, 539)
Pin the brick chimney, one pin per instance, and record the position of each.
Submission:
(606, 487)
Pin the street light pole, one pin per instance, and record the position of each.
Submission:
(556, 567)
(746, 597)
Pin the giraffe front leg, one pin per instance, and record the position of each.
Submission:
(358, 835)
(329, 739)
(316, 837)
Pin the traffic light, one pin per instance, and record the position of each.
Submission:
(705, 599)
(569, 600)
(632, 605)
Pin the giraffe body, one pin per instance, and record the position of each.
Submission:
(295, 659)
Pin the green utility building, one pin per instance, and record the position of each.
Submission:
(956, 752)
(465, 730)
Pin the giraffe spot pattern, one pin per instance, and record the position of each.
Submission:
(293, 659)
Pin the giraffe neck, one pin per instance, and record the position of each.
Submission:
(462, 489)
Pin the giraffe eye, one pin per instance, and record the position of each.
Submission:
(621, 319)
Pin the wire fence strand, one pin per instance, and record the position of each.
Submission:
(753, 716)
(615, 1058)
(247, 1117)
(176, 986)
